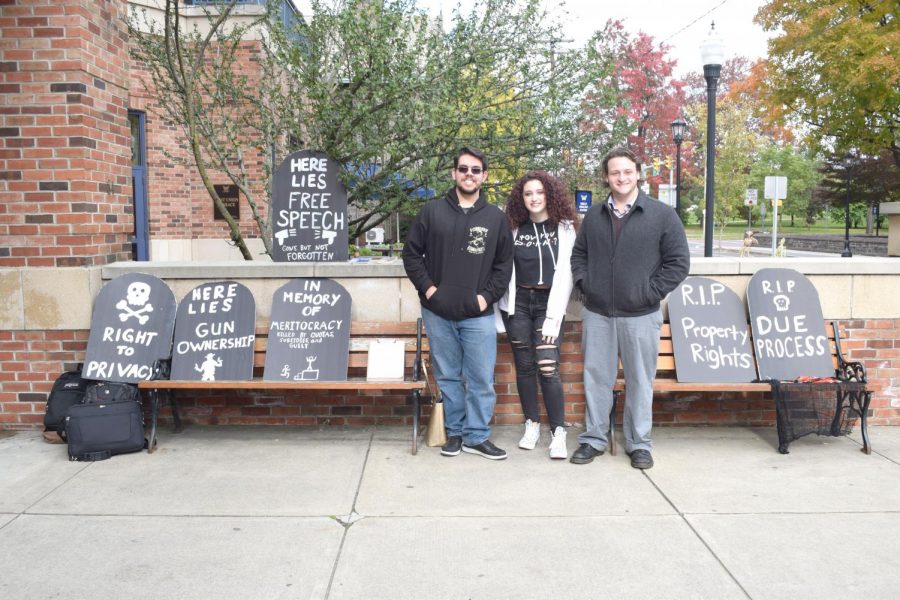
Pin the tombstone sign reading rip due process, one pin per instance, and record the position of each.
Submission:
(309, 334)
(309, 210)
(214, 333)
(131, 328)
(788, 327)
(710, 336)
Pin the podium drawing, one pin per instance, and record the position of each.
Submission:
(309, 333)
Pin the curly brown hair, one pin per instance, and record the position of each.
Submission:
(559, 205)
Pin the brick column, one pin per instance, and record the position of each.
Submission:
(65, 145)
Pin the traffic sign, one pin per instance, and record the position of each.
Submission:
(750, 197)
(776, 187)
(583, 200)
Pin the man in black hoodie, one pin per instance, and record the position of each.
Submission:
(631, 252)
(458, 255)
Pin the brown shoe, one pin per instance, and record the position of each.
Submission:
(53, 437)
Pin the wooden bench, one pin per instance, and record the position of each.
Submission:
(852, 396)
(161, 390)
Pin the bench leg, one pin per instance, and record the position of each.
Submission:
(611, 434)
(153, 396)
(863, 421)
(417, 413)
(176, 418)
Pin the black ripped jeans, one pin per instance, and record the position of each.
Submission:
(535, 360)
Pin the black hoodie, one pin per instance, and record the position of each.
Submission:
(463, 254)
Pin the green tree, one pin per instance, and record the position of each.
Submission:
(384, 90)
(833, 71)
(802, 173)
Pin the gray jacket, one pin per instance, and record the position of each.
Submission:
(631, 277)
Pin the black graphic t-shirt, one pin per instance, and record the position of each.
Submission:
(535, 250)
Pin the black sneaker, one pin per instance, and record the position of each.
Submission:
(451, 448)
(585, 454)
(641, 459)
(486, 449)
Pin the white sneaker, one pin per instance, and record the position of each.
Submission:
(532, 435)
(558, 447)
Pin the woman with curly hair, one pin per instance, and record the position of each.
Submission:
(543, 220)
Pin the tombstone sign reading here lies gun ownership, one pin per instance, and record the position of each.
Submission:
(131, 327)
(309, 210)
(710, 337)
(309, 333)
(214, 333)
(788, 328)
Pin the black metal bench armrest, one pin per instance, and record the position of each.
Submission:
(846, 370)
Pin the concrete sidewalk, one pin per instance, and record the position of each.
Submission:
(277, 513)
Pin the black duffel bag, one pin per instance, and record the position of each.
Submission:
(109, 422)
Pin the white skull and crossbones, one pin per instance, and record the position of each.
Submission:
(137, 294)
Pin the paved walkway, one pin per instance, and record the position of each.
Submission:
(279, 513)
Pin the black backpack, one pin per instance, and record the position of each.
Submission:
(68, 389)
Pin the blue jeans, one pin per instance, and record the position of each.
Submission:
(464, 354)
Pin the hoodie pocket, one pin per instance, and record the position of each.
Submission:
(454, 302)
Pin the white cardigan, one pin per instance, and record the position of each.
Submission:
(560, 288)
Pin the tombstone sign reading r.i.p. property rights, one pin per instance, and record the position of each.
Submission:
(710, 336)
(131, 328)
(309, 210)
(788, 327)
(309, 334)
(214, 333)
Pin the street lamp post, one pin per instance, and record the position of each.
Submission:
(847, 253)
(712, 51)
(678, 129)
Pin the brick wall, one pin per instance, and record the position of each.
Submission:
(30, 360)
(65, 179)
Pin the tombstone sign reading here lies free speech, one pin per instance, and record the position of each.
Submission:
(309, 210)
(788, 328)
(131, 327)
(214, 333)
(309, 333)
(710, 336)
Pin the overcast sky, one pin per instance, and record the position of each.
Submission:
(682, 24)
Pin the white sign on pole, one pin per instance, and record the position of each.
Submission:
(750, 197)
(776, 189)
(667, 194)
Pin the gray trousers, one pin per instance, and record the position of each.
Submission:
(605, 340)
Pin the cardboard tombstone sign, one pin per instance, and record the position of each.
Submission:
(309, 334)
(309, 210)
(710, 336)
(131, 328)
(788, 328)
(214, 333)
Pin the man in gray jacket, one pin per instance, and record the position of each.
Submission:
(631, 252)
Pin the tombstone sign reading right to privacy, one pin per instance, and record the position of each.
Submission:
(309, 334)
(309, 210)
(710, 336)
(214, 333)
(131, 328)
(788, 328)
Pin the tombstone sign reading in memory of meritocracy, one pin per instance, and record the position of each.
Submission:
(214, 333)
(710, 336)
(788, 328)
(309, 333)
(131, 327)
(309, 210)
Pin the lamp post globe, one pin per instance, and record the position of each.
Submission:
(712, 52)
(679, 126)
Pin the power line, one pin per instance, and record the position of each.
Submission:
(692, 22)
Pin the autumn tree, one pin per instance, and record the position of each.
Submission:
(833, 72)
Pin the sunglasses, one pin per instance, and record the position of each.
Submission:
(465, 169)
